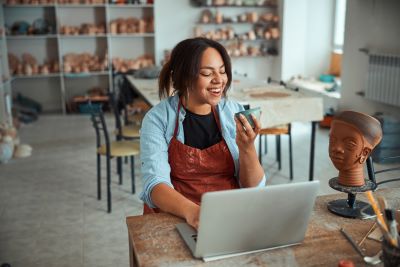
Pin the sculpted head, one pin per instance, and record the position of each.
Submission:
(352, 137)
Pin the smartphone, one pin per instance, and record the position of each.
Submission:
(255, 111)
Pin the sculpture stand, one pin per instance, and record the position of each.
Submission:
(350, 207)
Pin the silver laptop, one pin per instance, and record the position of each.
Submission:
(241, 221)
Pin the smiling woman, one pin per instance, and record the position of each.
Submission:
(190, 142)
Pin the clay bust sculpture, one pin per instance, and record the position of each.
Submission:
(353, 136)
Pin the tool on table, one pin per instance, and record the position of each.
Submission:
(376, 209)
(376, 235)
(382, 204)
(379, 218)
(355, 246)
(367, 234)
(370, 260)
(390, 217)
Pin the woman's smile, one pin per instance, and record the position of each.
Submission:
(215, 91)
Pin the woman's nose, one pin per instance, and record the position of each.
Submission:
(217, 78)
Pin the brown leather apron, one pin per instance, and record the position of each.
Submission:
(195, 171)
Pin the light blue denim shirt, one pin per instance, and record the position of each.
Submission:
(157, 131)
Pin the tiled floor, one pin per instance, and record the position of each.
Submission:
(49, 214)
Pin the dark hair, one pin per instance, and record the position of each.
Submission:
(182, 69)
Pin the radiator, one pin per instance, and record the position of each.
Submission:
(383, 83)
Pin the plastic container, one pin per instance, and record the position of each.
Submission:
(86, 108)
(326, 78)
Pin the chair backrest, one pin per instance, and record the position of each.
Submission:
(117, 115)
(100, 126)
(123, 95)
(372, 173)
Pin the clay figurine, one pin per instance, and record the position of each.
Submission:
(352, 137)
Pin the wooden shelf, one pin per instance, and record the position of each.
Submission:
(84, 99)
(29, 6)
(132, 35)
(80, 5)
(85, 74)
(225, 23)
(37, 76)
(79, 36)
(131, 5)
(247, 40)
(24, 37)
(241, 6)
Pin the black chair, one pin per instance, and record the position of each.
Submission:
(123, 96)
(122, 132)
(128, 131)
(372, 173)
(111, 149)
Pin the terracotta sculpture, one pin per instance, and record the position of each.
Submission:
(353, 136)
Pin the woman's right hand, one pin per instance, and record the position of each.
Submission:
(192, 216)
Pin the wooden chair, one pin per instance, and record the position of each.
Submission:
(124, 95)
(277, 131)
(111, 149)
(134, 119)
(127, 131)
(122, 132)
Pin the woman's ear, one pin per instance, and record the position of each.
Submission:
(364, 155)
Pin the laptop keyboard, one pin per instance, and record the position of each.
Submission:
(194, 237)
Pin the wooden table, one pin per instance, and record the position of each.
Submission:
(278, 104)
(154, 240)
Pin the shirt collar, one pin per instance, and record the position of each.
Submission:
(175, 101)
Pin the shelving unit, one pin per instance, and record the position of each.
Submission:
(55, 90)
(242, 29)
(5, 79)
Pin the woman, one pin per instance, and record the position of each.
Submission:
(190, 142)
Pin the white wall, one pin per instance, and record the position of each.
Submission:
(319, 43)
(174, 21)
(307, 37)
(373, 24)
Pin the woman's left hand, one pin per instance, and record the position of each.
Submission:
(245, 134)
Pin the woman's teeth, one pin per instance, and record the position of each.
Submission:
(215, 91)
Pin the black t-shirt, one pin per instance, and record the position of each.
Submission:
(201, 131)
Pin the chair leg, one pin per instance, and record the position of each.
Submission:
(98, 176)
(265, 144)
(126, 160)
(290, 154)
(260, 149)
(119, 167)
(133, 173)
(278, 151)
(108, 185)
(116, 162)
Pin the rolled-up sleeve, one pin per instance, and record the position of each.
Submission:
(153, 155)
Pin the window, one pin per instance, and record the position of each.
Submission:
(338, 34)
